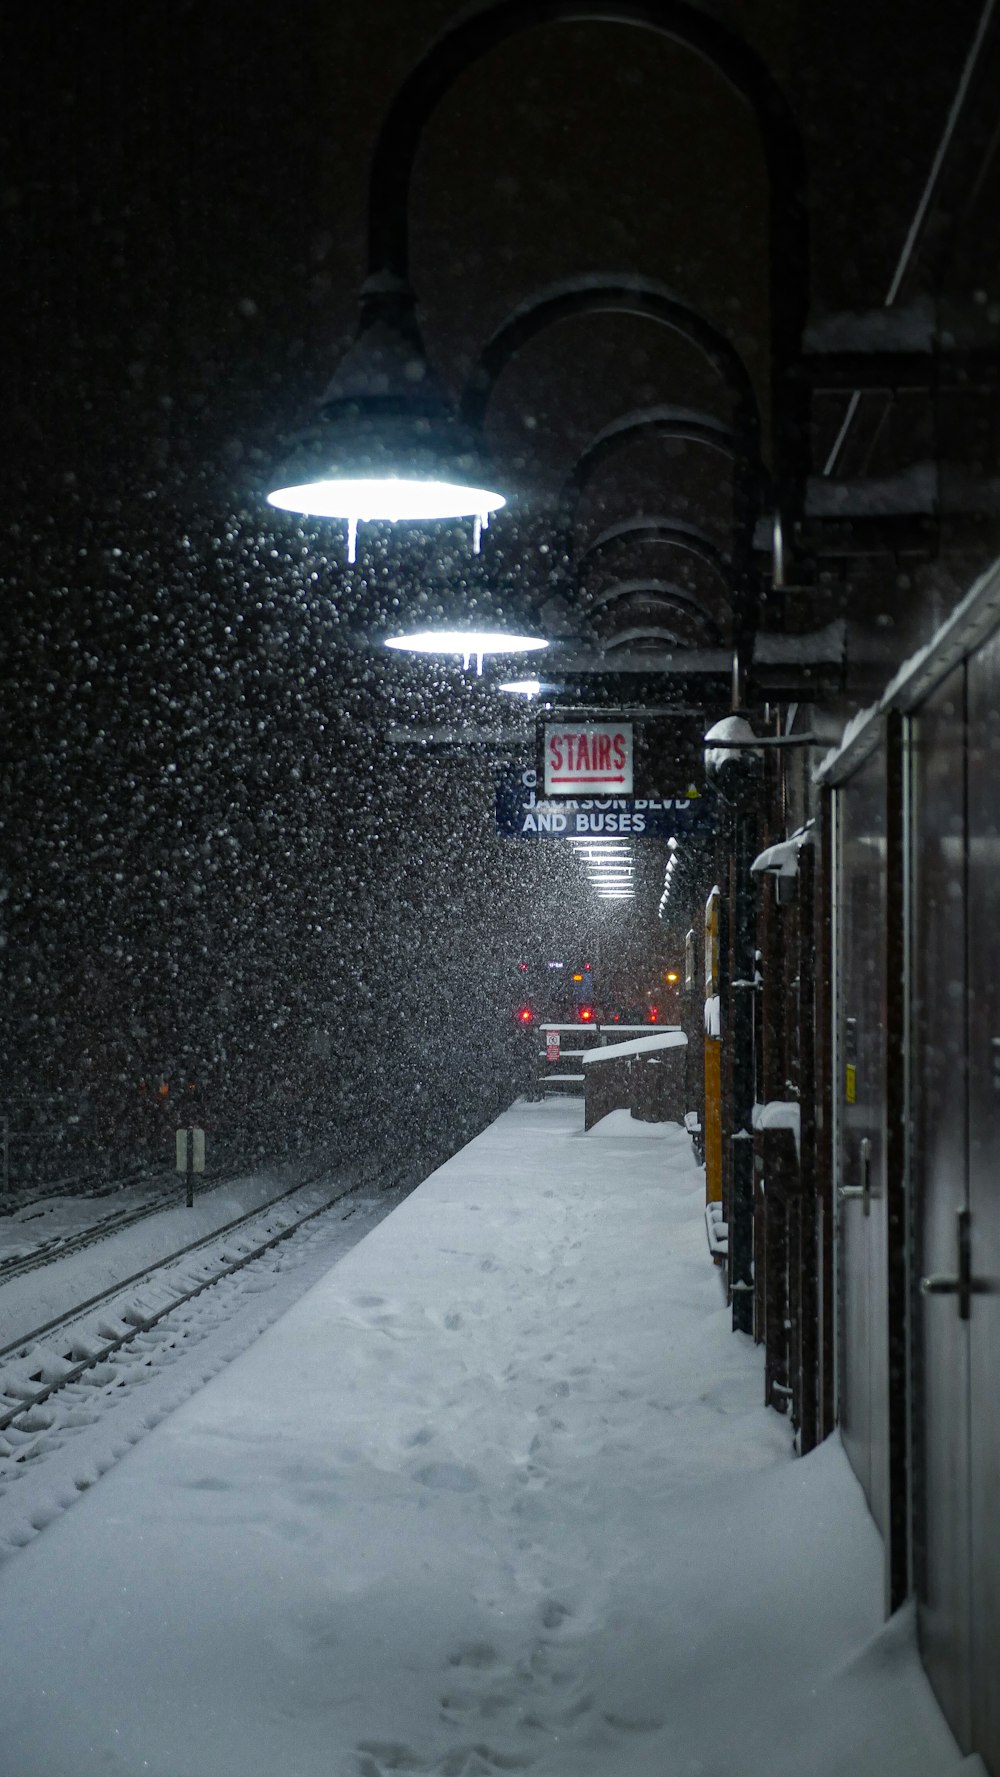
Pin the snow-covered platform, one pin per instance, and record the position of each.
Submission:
(498, 1494)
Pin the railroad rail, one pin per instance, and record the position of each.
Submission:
(59, 1369)
(63, 1245)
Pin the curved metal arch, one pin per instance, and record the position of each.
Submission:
(683, 423)
(651, 632)
(482, 28)
(674, 531)
(612, 294)
(660, 592)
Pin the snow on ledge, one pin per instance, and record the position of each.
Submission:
(911, 490)
(664, 1039)
(779, 1113)
(907, 329)
(717, 1231)
(783, 859)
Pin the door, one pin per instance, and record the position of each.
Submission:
(939, 1077)
(863, 1380)
(983, 1325)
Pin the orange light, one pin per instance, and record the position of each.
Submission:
(653, 1014)
(577, 977)
(164, 1090)
(672, 975)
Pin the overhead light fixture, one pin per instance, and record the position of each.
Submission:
(464, 616)
(386, 445)
(522, 687)
(469, 644)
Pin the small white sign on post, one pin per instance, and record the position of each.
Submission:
(552, 1045)
(595, 760)
(197, 1150)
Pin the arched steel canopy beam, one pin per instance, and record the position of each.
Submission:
(607, 294)
(659, 592)
(482, 29)
(646, 632)
(691, 427)
(683, 423)
(674, 531)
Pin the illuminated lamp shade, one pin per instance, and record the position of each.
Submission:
(522, 687)
(464, 618)
(386, 445)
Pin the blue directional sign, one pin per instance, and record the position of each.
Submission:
(523, 814)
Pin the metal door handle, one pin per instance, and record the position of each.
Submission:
(961, 1284)
(864, 1190)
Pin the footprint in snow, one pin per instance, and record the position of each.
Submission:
(452, 1477)
(477, 1654)
(634, 1724)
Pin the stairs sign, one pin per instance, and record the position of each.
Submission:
(595, 760)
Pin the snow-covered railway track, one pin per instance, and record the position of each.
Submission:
(154, 1280)
(62, 1246)
(92, 1237)
(71, 1406)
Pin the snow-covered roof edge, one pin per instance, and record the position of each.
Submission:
(973, 619)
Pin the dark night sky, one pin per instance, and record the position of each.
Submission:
(196, 785)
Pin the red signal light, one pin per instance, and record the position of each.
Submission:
(653, 1014)
(586, 1014)
(525, 1015)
